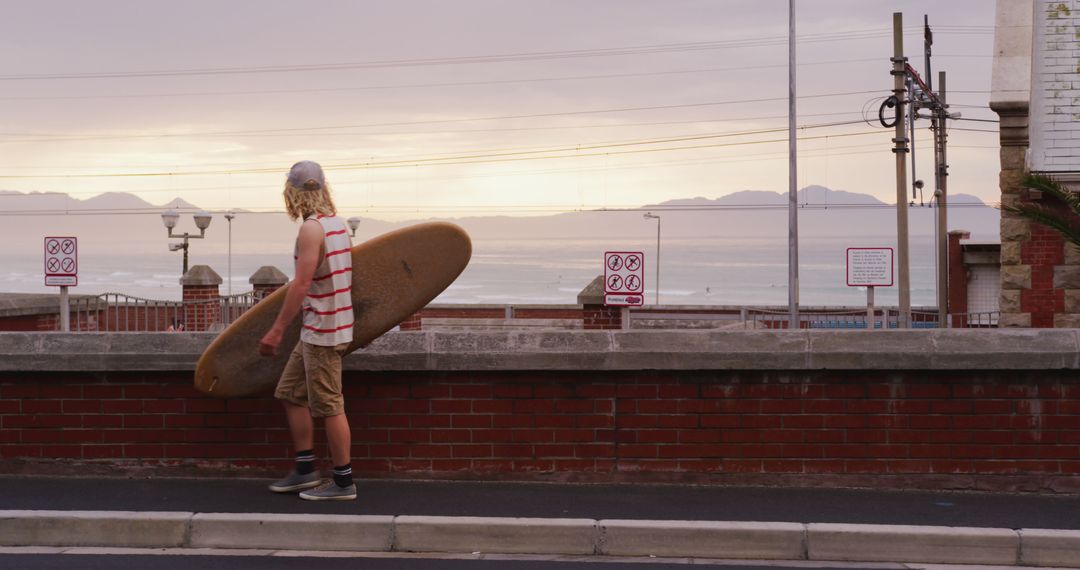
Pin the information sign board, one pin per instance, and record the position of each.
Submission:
(869, 267)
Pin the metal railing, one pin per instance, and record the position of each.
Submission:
(119, 312)
(817, 318)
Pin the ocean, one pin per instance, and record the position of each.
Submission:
(710, 271)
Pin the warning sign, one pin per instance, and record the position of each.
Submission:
(61, 261)
(624, 274)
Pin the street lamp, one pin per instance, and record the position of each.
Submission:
(202, 221)
(651, 216)
(354, 223)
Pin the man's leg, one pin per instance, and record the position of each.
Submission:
(301, 426)
(340, 439)
(292, 391)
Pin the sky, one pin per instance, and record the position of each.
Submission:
(427, 108)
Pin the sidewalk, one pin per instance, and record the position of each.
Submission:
(624, 520)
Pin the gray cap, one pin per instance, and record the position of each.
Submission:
(307, 175)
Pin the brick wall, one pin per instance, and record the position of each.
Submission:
(601, 317)
(200, 316)
(1042, 252)
(1002, 430)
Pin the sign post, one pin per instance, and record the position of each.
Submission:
(624, 278)
(870, 267)
(62, 270)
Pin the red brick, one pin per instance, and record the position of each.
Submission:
(80, 406)
(42, 407)
(492, 435)
(410, 435)
(430, 421)
(61, 392)
(492, 406)
(450, 406)
(471, 450)
(431, 451)
(534, 436)
(575, 435)
(41, 420)
(201, 406)
(595, 450)
(782, 436)
(550, 451)
(513, 421)
(534, 406)
(429, 391)
(550, 421)
(573, 406)
(678, 421)
(472, 391)
(803, 421)
(471, 421)
(658, 406)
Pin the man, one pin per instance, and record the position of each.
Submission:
(310, 385)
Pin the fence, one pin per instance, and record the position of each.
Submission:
(813, 318)
(118, 312)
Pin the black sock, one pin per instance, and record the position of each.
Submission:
(343, 475)
(305, 461)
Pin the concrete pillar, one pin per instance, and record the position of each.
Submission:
(958, 281)
(1015, 231)
(202, 306)
(267, 280)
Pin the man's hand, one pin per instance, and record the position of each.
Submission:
(269, 343)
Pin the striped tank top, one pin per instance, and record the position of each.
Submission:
(328, 315)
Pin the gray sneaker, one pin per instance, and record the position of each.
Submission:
(329, 491)
(296, 482)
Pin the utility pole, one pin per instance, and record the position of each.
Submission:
(900, 148)
(793, 182)
(941, 173)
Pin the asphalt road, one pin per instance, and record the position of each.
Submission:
(654, 502)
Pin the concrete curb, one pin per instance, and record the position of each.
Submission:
(494, 535)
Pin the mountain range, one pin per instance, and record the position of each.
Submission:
(127, 221)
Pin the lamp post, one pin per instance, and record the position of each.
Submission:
(651, 216)
(229, 217)
(202, 221)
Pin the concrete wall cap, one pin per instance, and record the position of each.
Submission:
(268, 275)
(948, 349)
(201, 275)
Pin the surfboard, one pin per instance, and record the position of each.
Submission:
(394, 275)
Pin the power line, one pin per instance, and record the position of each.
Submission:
(463, 159)
(68, 137)
(848, 35)
(425, 85)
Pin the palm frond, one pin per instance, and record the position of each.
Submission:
(1067, 227)
(1050, 186)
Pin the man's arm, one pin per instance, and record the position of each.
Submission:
(310, 248)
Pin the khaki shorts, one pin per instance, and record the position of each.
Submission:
(312, 378)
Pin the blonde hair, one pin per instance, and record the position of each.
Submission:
(300, 203)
